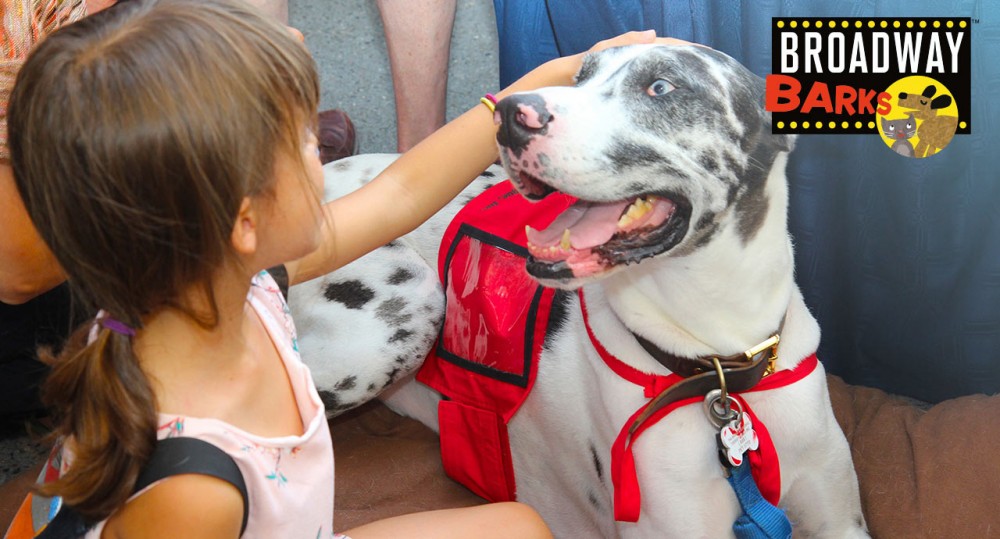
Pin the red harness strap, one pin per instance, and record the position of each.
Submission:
(763, 461)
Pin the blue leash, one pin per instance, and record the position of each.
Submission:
(760, 519)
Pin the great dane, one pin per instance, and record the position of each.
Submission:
(680, 246)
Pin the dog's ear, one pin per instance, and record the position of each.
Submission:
(784, 142)
(929, 91)
(941, 102)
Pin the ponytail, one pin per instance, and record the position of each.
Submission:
(105, 406)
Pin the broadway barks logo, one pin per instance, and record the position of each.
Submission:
(907, 79)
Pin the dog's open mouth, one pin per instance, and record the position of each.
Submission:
(589, 238)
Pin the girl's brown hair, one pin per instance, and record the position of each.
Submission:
(135, 135)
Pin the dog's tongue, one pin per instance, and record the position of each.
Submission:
(590, 224)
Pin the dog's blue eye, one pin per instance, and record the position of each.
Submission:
(660, 87)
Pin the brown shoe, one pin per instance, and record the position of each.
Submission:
(336, 136)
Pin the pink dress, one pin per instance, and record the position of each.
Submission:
(290, 478)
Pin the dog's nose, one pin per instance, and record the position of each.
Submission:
(521, 117)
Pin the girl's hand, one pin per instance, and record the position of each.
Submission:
(628, 38)
(562, 71)
(637, 38)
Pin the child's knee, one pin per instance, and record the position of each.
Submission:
(524, 520)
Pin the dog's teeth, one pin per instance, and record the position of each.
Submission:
(638, 209)
(564, 242)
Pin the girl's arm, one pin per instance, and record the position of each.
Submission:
(425, 178)
(190, 506)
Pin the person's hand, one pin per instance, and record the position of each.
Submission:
(628, 38)
(562, 71)
(646, 37)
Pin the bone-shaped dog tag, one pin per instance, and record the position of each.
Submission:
(736, 438)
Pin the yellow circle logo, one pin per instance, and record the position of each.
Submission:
(923, 118)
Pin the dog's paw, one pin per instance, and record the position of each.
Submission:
(367, 324)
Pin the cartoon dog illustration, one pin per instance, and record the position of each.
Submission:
(935, 130)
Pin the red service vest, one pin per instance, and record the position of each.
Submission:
(485, 360)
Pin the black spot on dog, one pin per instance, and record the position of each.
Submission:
(707, 235)
(752, 204)
(352, 294)
(487, 174)
(597, 462)
(341, 165)
(558, 315)
(635, 188)
(587, 70)
(625, 154)
(732, 193)
(751, 210)
(346, 384)
(400, 276)
(393, 244)
(400, 335)
(392, 377)
(330, 399)
(710, 163)
(592, 498)
(731, 163)
(693, 66)
(668, 169)
(705, 221)
(400, 360)
(391, 311)
(371, 387)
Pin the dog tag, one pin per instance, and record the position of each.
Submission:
(736, 438)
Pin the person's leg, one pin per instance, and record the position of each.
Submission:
(491, 521)
(418, 38)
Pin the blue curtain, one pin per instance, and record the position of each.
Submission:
(898, 259)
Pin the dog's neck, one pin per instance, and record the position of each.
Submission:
(720, 299)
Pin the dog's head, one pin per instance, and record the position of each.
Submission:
(664, 146)
(925, 105)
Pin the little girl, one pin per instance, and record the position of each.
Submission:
(165, 151)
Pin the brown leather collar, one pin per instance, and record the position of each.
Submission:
(741, 372)
(687, 367)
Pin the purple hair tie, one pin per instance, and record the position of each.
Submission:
(117, 326)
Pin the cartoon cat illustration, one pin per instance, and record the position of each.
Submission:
(901, 130)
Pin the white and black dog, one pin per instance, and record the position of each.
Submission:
(679, 242)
